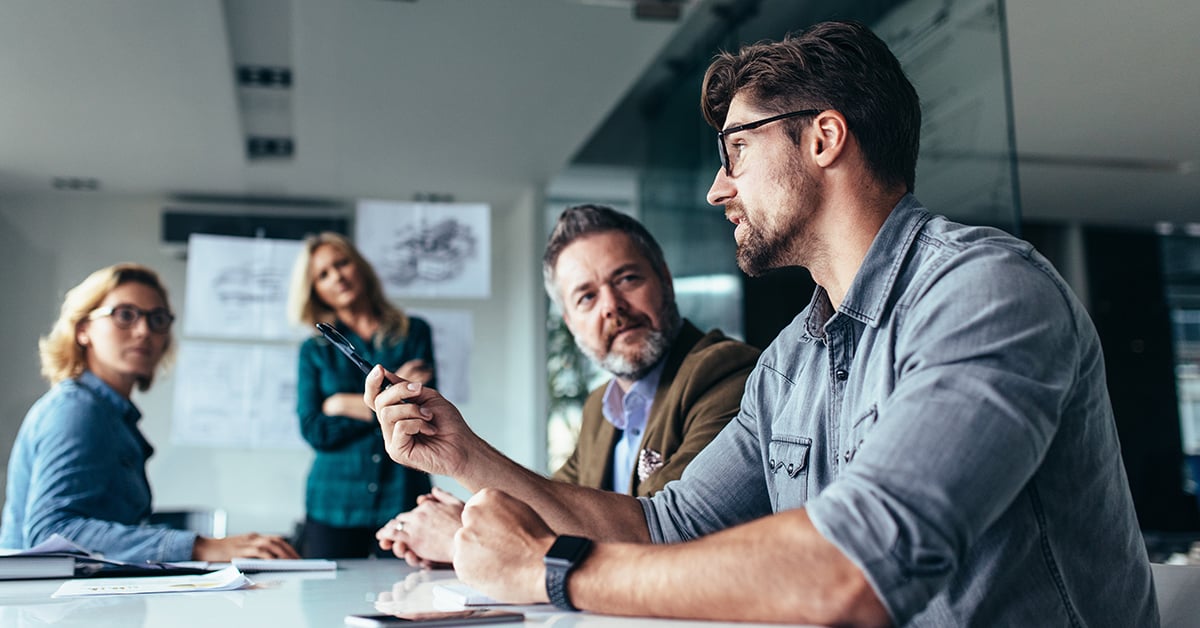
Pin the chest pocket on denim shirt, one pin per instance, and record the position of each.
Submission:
(787, 471)
(858, 432)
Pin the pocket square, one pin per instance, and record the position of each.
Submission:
(649, 461)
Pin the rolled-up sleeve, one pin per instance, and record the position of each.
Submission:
(984, 358)
(722, 487)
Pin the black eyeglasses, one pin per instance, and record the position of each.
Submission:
(126, 316)
(721, 135)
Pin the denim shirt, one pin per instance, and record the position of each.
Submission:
(78, 468)
(948, 428)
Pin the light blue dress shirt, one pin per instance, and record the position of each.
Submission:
(628, 413)
(78, 468)
(949, 429)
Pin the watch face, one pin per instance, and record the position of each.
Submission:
(568, 550)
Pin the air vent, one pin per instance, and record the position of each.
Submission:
(260, 43)
(75, 184)
(662, 10)
(270, 147)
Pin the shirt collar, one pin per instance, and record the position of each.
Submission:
(876, 278)
(98, 387)
(614, 401)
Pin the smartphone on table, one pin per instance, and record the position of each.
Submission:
(440, 618)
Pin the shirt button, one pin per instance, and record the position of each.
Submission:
(372, 487)
(376, 458)
(636, 432)
(841, 374)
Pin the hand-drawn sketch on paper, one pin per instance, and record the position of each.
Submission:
(237, 287)
(453, 333)
(236, 395)
(427, 249)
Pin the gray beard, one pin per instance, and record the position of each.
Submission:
(650, 354)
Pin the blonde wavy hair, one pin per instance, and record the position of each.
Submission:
(305, 308)
(61, 354)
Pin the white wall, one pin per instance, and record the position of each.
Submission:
(51, 242)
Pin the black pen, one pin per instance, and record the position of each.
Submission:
(343, 345)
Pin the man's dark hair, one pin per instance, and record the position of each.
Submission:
(831, 65)
(585, 220)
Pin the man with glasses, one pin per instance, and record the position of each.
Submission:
(929, 443)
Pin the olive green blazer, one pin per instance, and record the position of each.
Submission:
(698, 393)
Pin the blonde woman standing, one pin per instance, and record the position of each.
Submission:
(353, 487)
(78, 465)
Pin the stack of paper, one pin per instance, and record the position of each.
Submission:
(227, 579)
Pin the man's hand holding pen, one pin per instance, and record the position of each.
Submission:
(420, 428)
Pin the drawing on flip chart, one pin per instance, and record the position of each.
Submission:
(237, 288)
(439, 252)
(241, 286)
(427, 249)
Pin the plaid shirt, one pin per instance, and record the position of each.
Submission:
(353, 482)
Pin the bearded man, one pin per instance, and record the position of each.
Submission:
(673, 387)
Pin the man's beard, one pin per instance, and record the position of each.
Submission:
(756, 254)
(646, 356)
(789, 244)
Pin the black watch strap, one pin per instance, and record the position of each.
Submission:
(566, 553)
(556, 588)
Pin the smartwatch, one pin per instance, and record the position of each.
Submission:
(566, 553)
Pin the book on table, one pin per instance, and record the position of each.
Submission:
(18, 567)
(59, 557)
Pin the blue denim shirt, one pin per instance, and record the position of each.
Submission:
(78, 468)
(949, 429)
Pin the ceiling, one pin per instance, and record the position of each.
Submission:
(484, 100)
(478, 99)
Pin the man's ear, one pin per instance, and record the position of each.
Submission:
(831, 134)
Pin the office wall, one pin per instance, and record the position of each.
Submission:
(50, 243)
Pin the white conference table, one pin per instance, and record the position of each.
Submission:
(300, 600)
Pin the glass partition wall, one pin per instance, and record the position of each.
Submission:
(655, 158)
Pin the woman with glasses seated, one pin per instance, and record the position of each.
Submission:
(78, 465)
